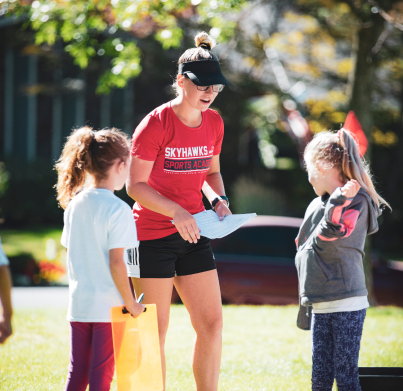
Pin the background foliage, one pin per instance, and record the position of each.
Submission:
(106, 28)
(341, 55)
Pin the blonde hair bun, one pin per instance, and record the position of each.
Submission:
(204, 41)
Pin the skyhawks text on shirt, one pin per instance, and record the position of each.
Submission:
(188, 159)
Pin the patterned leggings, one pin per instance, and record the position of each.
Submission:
(336, 341)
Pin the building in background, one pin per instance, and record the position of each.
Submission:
(43, 96)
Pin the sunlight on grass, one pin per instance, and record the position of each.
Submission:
(262, 349)
(36, 357)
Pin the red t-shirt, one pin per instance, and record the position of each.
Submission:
(182, 156)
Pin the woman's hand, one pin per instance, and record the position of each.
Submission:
(350, 189)
(222, 209)
(186, 225)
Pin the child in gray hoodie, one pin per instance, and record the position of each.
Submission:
(330, 247)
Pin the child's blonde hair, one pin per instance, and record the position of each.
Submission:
(340, 150)
(88, 152)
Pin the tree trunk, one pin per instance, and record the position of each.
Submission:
(394, 185)
(361, 101)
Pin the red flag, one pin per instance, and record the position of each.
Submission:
(353, 125)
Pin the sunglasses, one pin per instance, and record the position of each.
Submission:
(215, 87)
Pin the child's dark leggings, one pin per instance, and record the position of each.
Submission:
(336, 341)
(91, 357)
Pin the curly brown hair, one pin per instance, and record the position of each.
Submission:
(87, 152)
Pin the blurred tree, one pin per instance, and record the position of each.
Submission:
(347, 54)
(330, 57)
(107, 28)
(364, 23)
(4, 175)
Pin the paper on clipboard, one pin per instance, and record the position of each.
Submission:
(137, 350)
(212, 228)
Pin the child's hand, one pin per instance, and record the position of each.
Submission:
(135, 309)
(350, 189)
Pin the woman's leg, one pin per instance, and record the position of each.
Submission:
(347, 336)
(80, 355)
(102, 363)
(201, 295)
(322, 352)
(157, 291)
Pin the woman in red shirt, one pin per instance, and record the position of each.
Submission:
(175, 154)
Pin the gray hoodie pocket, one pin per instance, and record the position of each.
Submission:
(312, 279)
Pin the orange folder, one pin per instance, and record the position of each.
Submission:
(137, 350)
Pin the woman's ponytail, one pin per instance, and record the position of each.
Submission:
(204, 43)
(88, 152)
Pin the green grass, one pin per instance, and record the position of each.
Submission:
(262, 349)
(31, 241)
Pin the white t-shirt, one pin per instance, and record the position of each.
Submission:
(3, 257)
(356, 303)
(95, 221)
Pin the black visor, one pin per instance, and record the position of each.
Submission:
(203, 72)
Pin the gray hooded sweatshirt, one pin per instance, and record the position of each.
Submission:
(330, 249)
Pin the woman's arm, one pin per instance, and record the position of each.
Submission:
(138, 188)
(213, 187)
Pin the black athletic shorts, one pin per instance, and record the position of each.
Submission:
(171, 256)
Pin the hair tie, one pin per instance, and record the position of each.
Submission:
(92, 133)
